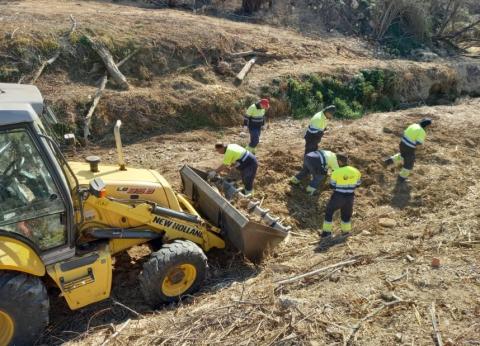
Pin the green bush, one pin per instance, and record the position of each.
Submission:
(370, 90)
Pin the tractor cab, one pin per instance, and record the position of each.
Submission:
(35, 187)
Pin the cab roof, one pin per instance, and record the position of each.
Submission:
(15, 113)
(21, 94)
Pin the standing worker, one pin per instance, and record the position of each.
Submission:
(316, 163)
(414, 135)
(344, 181)
(317, 127)
(240, 158)
(254, 120)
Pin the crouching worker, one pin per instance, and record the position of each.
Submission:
(316, 163)
(344, 181)
(240, 158)
(412, 136)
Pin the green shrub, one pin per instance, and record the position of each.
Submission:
(370, 90)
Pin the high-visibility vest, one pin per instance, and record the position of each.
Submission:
(235, 154)
(345, 179)
(255, 116)
(328, 159)
(414, 135)
(318, 123)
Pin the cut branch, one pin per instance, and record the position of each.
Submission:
(436, 330)
(375, 312)
(314, 272)
(110, 65)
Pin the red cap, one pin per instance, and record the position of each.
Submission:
(265, 103)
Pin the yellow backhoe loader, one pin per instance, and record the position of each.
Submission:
(64, 221)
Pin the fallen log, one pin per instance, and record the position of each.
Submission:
(107, 59)
(98, 94)
(241, 76)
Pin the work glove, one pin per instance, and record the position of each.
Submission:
(245, 128)
(311, 190)
(211, 175)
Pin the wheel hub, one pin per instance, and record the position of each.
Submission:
(6, 328)
(178, 280)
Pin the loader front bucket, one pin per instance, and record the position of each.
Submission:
(252, 238)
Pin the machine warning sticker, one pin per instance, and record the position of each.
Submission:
(178, 227)
(136, 190)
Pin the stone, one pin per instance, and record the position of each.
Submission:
(388, 223)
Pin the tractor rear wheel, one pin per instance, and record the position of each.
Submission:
(24, 308)
(177, 269)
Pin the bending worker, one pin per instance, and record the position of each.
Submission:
(240, 158)
(414, 135)
(254, 120)
(316, 128)
(344, 181)
(316, 163)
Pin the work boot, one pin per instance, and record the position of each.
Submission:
(326, 235)
(294, 180)
(388, 162)
(248, 193)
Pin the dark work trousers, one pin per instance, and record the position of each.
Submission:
(342, 201)
(311, 141)
(248, 171)
(254, 136)
(408, 155)
(312, 166)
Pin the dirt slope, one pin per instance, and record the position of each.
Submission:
(434, 216)
(175, 83)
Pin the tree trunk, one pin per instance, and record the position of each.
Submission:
(250, 6)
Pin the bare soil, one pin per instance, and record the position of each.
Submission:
(436, 215)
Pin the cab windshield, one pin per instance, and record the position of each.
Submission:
(30, 202)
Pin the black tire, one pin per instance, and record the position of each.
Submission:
(164, 263)
(24, 299)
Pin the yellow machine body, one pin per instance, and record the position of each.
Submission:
(84, 279)
(16, 255)
(130, 184)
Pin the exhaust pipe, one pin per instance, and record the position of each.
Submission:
(118, 143)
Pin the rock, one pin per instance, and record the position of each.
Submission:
(435, 262)
(388, 223)
(280, 268)
(223, 68)
(399, 337)
(285, 302)
(409, 258)
(365, 233)
(334, 278)
(243, 134)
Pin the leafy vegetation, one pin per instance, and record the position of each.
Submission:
(369, 91)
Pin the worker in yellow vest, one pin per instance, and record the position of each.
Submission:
(412, 136)
(237, 156)
(254, 121)
(316, 128)
(344, 180)
(316, 163)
